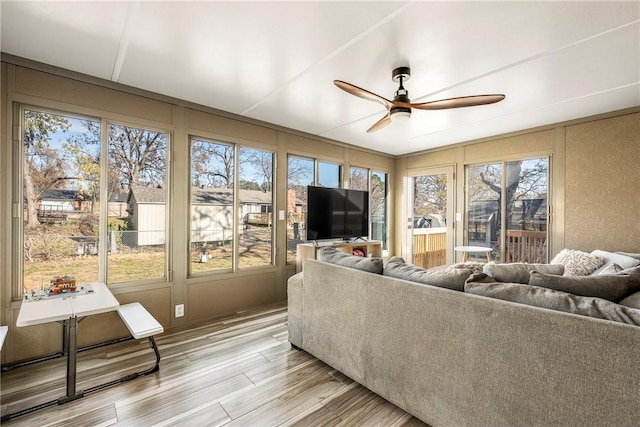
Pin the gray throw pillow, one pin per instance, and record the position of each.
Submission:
(577, 263)
(556, 300)
(450, 280)
(518, 272)
(334, 256)
(475, 267)
(607, 286)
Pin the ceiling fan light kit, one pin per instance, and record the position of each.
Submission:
(399, 110)
(400, 114)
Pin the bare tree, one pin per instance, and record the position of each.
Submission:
(359, 179)
(212, 164)
(138, 156)
(377, 195)
(261, 163)
(520, 183)
(430, 194)
(299, 175)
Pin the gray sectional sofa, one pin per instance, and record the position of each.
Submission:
(455, 358)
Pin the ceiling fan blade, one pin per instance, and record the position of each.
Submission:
(463, 101)
(362, 93)
(380, 123)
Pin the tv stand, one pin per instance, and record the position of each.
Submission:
(310, 250)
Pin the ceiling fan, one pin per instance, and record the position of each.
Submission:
(400, 108)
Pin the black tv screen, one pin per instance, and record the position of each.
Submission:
(336, 213)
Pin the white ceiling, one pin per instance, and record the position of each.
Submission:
(276, 61)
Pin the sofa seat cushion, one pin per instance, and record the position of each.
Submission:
(577, 263)
(612, 287)
(453, 279)
(518, 272)
(555, 300)
(334, 256)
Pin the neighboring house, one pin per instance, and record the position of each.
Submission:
(64, 200)
(483, 221)
(56, 205)
(117, 205)
(528, 214)
(211, 213)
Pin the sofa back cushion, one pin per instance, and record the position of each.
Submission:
(453, 279)
(556, 300)
(612, 287)
(612, 258)
(334, 256)
(518, 272)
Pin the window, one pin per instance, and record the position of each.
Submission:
(212, 172)
(378, 203)
(377, 187)
(61, 198)
(255, 182)
(517, 191)
(137, 238)
(77, 211)
(302, 172)
(359, 179)
(328, 175)
(219, 216)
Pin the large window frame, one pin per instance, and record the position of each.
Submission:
(491, 223)
(243, 225)
(320, 175)
(377, 184)
(100, 245)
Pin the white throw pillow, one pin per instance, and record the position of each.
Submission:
(577, 263)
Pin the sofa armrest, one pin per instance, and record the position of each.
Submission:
(294, 307)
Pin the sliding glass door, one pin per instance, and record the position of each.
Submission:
(516, 191)
(430, 221)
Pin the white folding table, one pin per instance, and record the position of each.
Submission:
(68, 310)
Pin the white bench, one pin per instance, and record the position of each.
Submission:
(141, 324)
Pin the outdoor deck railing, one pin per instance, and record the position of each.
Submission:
(430, 247)
(526, 246)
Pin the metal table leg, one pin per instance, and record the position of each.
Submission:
(71, 333)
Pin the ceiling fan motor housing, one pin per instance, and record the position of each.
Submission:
(403, 73)
(398, 113)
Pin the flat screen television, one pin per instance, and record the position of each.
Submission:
(337, 213)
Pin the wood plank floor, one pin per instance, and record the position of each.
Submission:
(237, 371)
